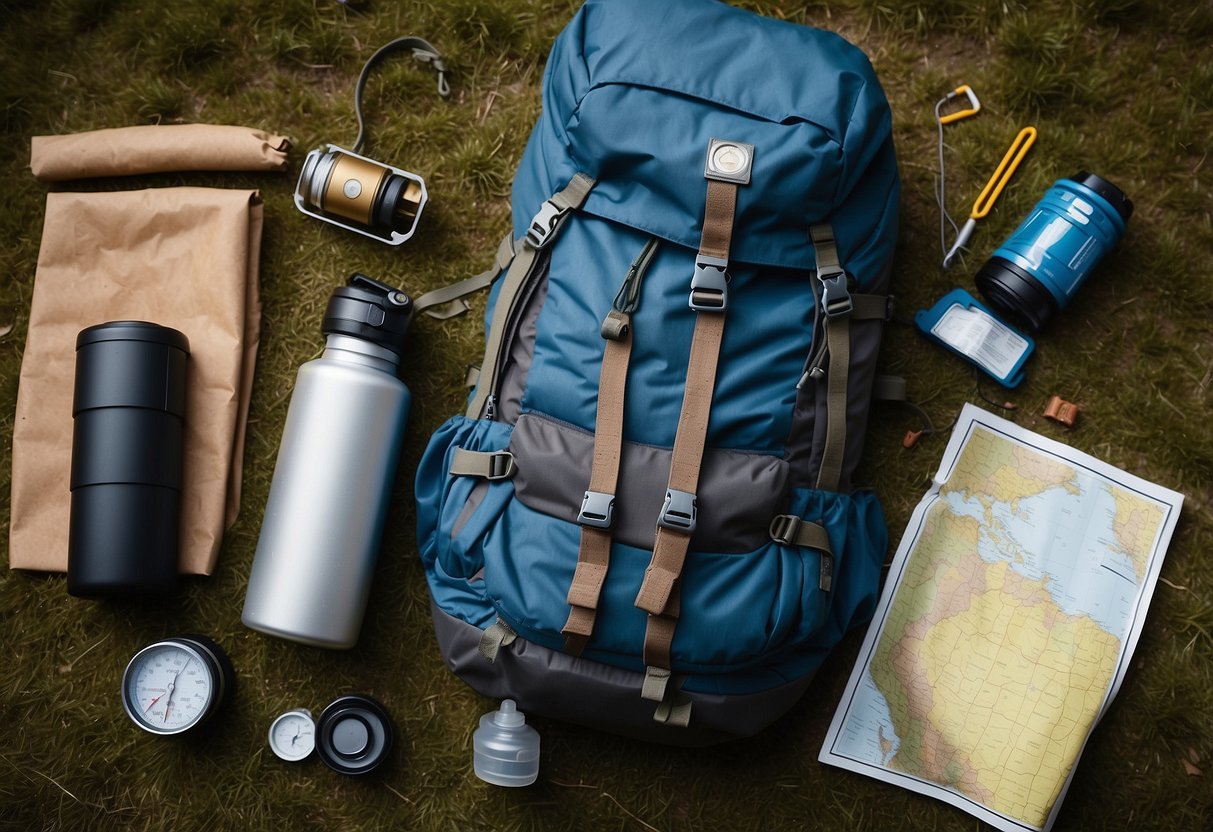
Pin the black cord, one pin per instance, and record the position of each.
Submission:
(1003, 405)
(928, 427)
(422, 51)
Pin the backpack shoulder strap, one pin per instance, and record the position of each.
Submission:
(451, 296)
(837, 305)
(659, 593)
(540, 233)
(597, 507)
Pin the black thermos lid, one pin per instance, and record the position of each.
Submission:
(353, 735)
(131, 364)
(368, 309)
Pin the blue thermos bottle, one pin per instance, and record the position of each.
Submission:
(1033, 275)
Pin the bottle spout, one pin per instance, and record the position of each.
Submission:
(508, 715)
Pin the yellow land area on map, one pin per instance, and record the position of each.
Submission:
(997, 469)
(991, 687)
(1136, 525)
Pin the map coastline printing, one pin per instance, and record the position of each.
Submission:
(1011, 609)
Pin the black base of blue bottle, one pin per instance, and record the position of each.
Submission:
(1015, 293)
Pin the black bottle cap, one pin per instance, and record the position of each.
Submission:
(130, 364)
(353, 735)
(368, 309)
(1114, 195)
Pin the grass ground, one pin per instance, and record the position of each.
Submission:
(1120, 87)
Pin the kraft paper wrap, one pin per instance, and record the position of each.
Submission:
(126, 151)
(186, 258)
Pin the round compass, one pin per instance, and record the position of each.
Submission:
(174, 685)
(293, 735)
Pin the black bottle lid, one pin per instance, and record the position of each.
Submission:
(353, 735)
(1114, 195)
(131, 364)
(133, 331)
(368, 309)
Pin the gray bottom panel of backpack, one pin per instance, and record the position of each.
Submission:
(559, 686)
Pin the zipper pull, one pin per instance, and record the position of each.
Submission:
(490, 408)
(813, 369)
(627, 299)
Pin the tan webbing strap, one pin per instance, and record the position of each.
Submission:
(659, 634)
(656, 681)
(825, 250)
(596, 516)
(542, 230)
(489, 465)
(838, 342)
(717, 234)
(674, 706)
(495, 636)
(837, 305)
(593, 557)
(793, 531)
(660, 684)
(427, 303)
(675, 710)
(671, 544)
(659, 593)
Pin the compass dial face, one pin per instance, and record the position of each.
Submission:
(293, 735)
(169, 687)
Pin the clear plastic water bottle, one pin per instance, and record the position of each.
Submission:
(328, 500)
(505, 750)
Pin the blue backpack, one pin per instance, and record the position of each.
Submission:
(644, 520)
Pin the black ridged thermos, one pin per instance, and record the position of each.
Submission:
(129, 413)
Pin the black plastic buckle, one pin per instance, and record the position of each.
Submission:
(597, 510)
(710, 284)
(835, 297)
(679, 512)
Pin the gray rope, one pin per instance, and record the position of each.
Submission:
(945, 219)
(422, 51)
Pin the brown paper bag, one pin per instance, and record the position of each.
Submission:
(125, 151)
(186, 258)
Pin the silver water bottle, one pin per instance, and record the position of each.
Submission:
(320, 537)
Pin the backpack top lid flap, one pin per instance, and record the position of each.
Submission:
(635, 89)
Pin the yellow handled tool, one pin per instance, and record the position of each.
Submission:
(985, 200)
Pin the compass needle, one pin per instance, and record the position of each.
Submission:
(298, 727)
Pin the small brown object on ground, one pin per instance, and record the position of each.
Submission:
(1060, 410)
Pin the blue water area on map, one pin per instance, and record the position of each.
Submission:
(1065, 538)
(868, 732)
